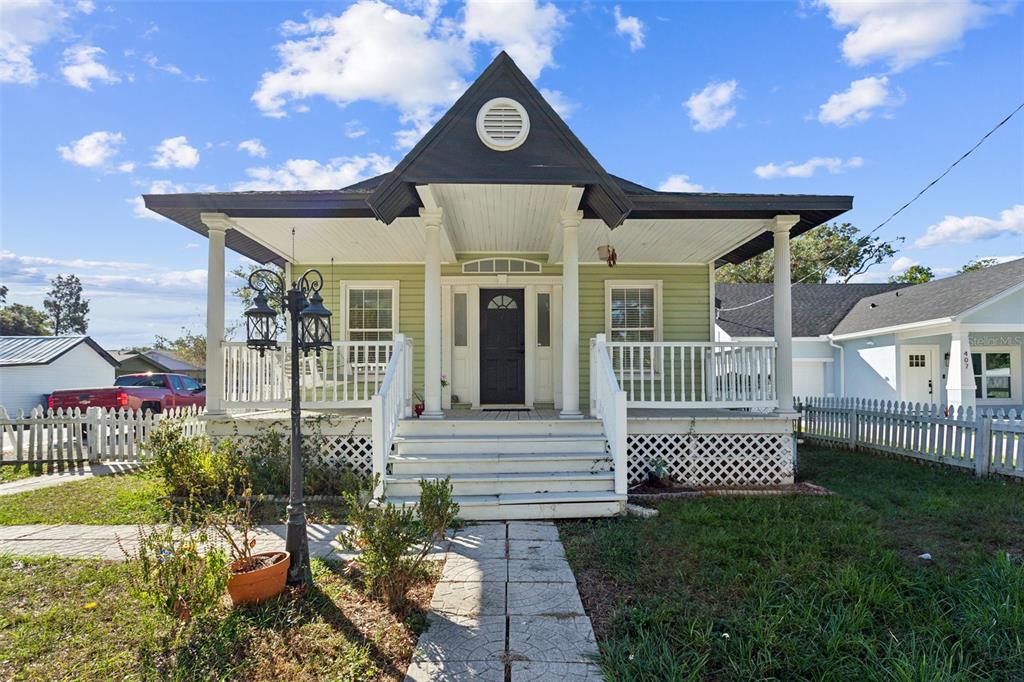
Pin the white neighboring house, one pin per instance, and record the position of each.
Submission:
(32, 367)
(953, 341)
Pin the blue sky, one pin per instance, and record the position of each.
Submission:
(103, 101)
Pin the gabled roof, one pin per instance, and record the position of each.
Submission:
(451, 151)
(938, 299)
(170, 361)
(817, 308)
(16, 351)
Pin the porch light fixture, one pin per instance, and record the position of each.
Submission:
(608, 255)
(310, 330)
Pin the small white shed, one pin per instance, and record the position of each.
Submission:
(31, 367)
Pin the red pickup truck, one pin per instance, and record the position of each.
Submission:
(153, 392)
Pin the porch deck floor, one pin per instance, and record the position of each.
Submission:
(537, 413)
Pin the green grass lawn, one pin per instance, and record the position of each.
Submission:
(72, 620)
(801, 588)
(124, 499)
(14, 472)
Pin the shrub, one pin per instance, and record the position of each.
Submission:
(394, 540)
(176, 570)
(267, 457)
(193, 466)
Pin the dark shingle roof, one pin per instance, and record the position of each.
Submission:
(938, 299)
(42, 350)
(817, 308)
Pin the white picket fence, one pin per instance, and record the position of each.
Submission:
(93, 435)
(934, 433)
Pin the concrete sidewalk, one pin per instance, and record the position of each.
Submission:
(77, 472)
(506, 607)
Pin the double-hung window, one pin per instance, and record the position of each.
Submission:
(993, 375)
(371, 314)
(633, 316)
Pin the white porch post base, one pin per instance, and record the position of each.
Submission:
(783, 313)
(571, 317)
(960, 386)
(432, 315)
(217, 224)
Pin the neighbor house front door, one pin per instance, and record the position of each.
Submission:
(920, 383)
(502, 347)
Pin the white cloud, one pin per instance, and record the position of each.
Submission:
(526, 30)
(833, 164)
(631, 27)
(354, 129)
(11, 259)
(296, 174)
(138, 204)
(416, 62)
(126, 167)
(965, 229)
(254, 148)
(95, 150)
(85, 6)
(81, 66)
(175, 152)
(679, 183)
(172, 69)
(902, 33)
(712, 107)
(562, 105)
(24, 26)
(859, 101)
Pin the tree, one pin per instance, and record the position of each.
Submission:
(248, 295)
(915, 274)
(23, 320)
(189, 347)
(67, 309)
(828, 252)
(3, 295)
(977, 264)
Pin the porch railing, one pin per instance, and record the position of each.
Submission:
(609, 405)
(389, 405)
(673, 374)
(347, 375)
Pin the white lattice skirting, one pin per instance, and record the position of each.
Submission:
(719, 460)
(355, 453)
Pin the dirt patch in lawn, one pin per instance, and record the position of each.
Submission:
(600, 595)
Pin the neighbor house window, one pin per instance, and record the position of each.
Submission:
(371, 315)
(992, 375)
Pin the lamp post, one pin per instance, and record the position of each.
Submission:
(310, 330)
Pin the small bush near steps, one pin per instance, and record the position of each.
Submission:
(394, 541)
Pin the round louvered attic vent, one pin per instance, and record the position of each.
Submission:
(502, 124)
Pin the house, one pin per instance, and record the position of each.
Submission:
(952, 341)
(483, 258)
(32, 367)
(156, 360)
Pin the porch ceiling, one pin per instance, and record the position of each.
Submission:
(499, 218)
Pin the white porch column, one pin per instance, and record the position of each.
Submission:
(570, 316)
(960, 386)
(783, 312)
(432, 220)
(217, 224)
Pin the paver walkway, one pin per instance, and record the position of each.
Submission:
(75, 473)
(506, 608)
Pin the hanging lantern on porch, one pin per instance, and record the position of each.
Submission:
(315, 325)
(608, 255)
(260, 325)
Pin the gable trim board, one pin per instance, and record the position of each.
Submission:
(61, 345)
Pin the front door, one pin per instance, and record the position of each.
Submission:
(918, 376)
(502, 347)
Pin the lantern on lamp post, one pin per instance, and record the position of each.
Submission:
(309, 324)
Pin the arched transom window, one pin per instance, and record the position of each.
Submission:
(501, 265)
(502, 302)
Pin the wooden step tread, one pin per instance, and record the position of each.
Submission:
(501, 438)
(505, 477)
(500, 457)
(522, 498)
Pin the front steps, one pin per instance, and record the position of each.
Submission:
(501, 470)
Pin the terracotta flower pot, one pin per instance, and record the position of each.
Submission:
(418, 409)
(260, 584)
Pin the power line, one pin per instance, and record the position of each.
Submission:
(824, 268)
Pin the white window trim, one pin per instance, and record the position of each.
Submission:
(1015, 396)
(348, 285)
(540, 266)
(655, 284)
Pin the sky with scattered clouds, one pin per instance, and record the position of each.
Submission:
(100, 102)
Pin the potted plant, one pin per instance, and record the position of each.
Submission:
(419, 405)
(253, 577)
